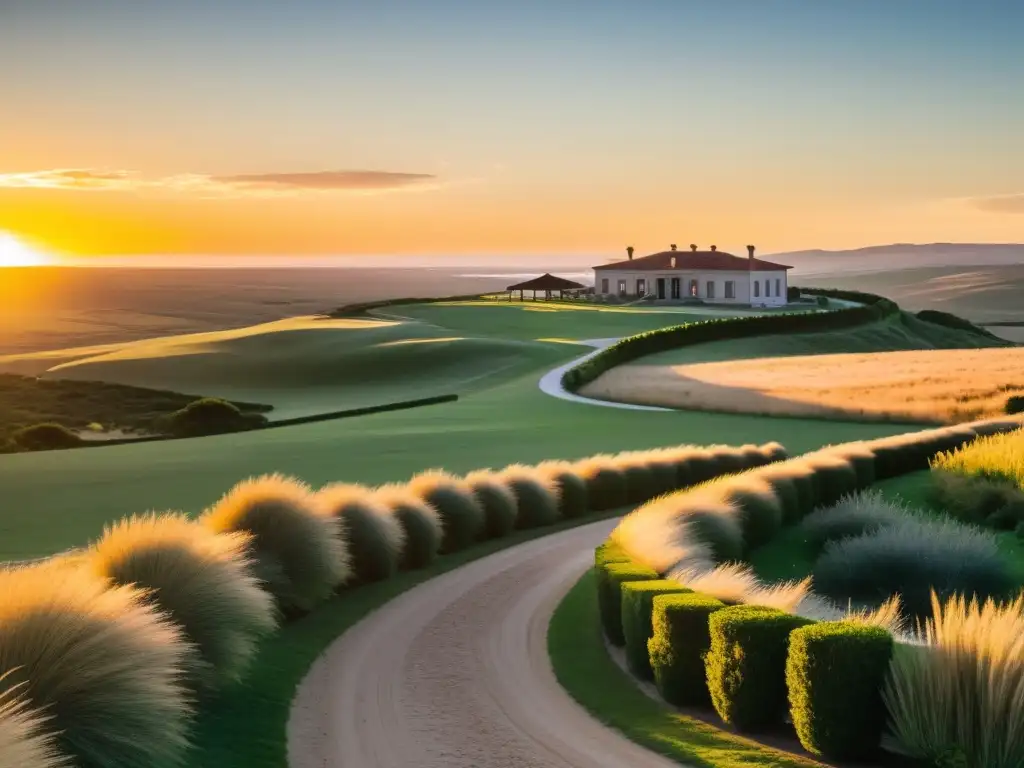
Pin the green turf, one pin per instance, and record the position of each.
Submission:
(901, 332)
(583, 667)
(245, 726)
(59, 499)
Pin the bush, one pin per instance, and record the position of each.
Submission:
(860, 457)
(822, 301)
(24, 742)
(606, 485)
(610, 578)
(800, 477)
(760, 511)
(209, 416)
(834, 477)
(45, 437)
(299, 554)
(834, 676)
(716, 524)
(637, 606)
(678, 644)
(497, 502)
(998, 458)
(944, 697)
(201, 580)
(536, 495)
(1014, 404)
(610, 552)
(461, 516)
(572, 490)
(664, 471)
(420, 523)
(956, 322)
(911, 558)
(108, 674)
(641, 484)
(978, 500)
(852, 516)
(792, 293)
(374, 535)
(746, 664)
(704, 465)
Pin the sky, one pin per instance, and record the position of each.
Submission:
(537, 126)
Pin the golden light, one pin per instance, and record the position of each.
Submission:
(15, 253)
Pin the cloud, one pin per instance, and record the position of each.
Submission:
(1000, 203)
(243, 185)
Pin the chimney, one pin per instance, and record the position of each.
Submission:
(714, 248)
(673, 246)
(750, 254)
(693, 247)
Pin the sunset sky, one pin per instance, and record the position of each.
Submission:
(336, 126)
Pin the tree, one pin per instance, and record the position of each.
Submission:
(629, 251)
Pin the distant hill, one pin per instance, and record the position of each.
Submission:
(902, 256)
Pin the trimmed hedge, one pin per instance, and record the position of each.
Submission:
(610, 578)
(626, 350)
(746, 665)
(678, 643)
(835, 672)
(949, 320)
(636, 610)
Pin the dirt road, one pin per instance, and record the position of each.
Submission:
(455, 674)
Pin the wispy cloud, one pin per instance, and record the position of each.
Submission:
(999, 203)
(242, 185)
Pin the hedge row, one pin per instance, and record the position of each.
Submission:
(352, 310)
(106, 649)
(870, 308)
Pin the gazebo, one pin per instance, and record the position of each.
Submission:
(547, 283)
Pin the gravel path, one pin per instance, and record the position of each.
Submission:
(455, 674)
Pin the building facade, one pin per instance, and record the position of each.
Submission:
(712, 276)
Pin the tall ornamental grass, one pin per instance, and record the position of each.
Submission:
(958, 697)
(24, 742)
(103, 666)
(201, 580)
(420, 523)
(374, 536)
(536, 494)
(572, 489)
(496, 500)
(605, 481)
(855, 515)
(462, 517)
(299, 553)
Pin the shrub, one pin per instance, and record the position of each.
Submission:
(606, 485)
(420, 523)
(497, 502)
(822, 301)
(834, 477)
(947, 695)
(610, 579)
(716, 524)
(956, 322)
(374, 535)
(298, 550)
(746, 664)
(997, 458)
(792, 293)
(800, 477)
(860, 457)
(201, 580)
(209, 416)
(979, 500)
(641, 484)
(461, 516)
(536, 495)
(851, 516)
(610, 552)
(706, 464)
(572, 490)
(760, 511)
(1014, 404)
(637, 599)
(772, 452)
(108, 674)
(45, 437)
(657, 534)
(664, 471)
(24, 742)
(834, 675)
(911, 558)
(678, 644)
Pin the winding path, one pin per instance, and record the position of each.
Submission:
(455, 674)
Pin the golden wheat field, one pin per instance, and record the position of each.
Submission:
(946, 385)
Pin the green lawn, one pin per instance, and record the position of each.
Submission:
(59, 499)
(584, 668)
(901, 332)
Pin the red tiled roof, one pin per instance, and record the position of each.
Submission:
(694, 261)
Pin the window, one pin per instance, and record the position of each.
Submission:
(694, 288)
(757, 289)
(730, 289)
(767, 287)
(641, 286)
(778, 286)
(604, 285)
(622, 287)
(711, 289)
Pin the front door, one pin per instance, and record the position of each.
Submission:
(661, 287)
(676, 287)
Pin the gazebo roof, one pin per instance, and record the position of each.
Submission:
(546, 282)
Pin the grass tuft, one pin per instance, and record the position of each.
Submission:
(298, 552)
(374, 535)
(572, 489)
(461, 515)
(420, 523)
(496, 500)
(606, 483)
(201, 580)
(24, 742)
(536, 495)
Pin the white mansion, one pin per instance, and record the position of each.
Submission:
(712, 276)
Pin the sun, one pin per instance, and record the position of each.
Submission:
(15, 253)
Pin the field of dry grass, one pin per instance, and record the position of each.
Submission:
(947, 385)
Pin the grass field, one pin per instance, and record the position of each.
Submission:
(923, 376)
(59, 499)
